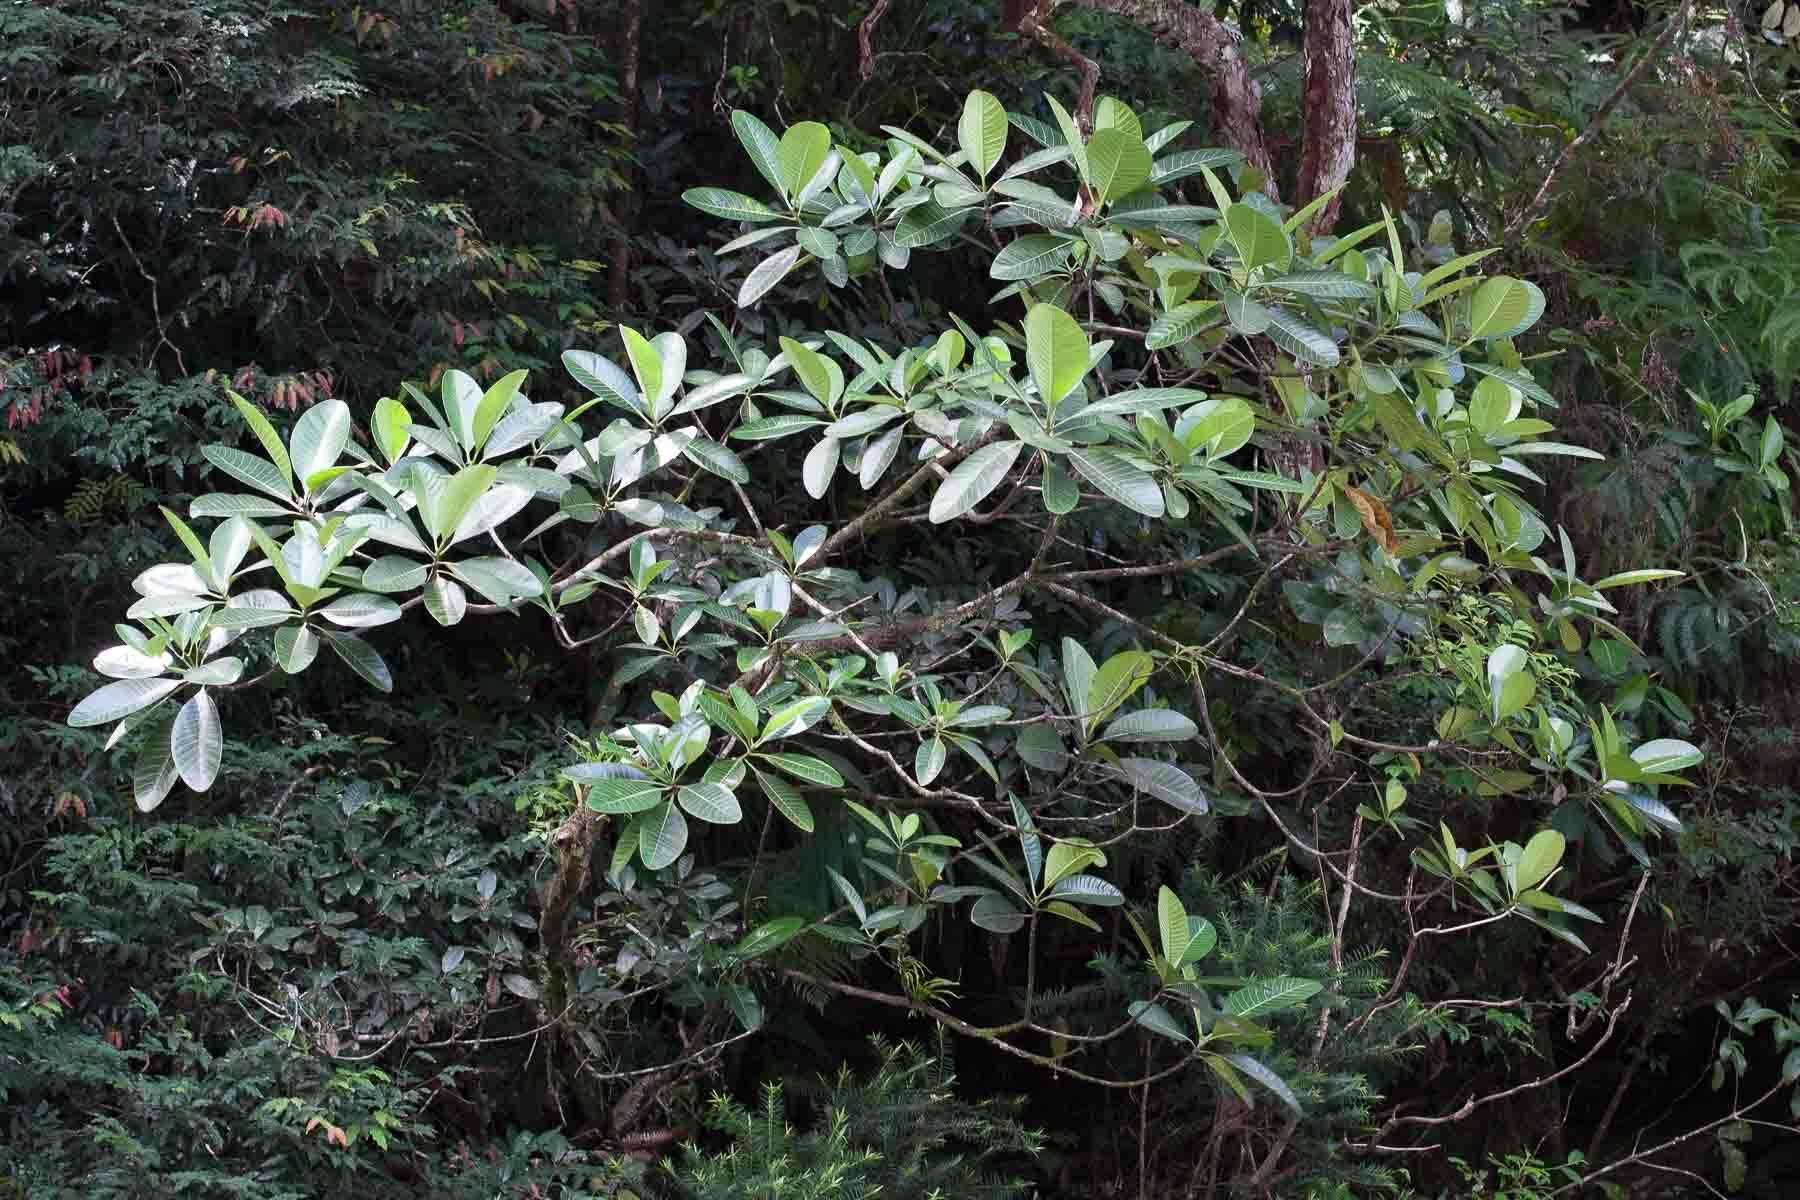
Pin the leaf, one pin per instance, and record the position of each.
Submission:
(249, 470)
(1136, 489)
(768, 936)
(1151, 725)
(1269, 1079)
(1270, 995)
(800, 154)
(197, 741)
(121, 699)
(662, 836)
(1322, 285)
(1665, 755)
(1498, 308)
(499, 580)
(153, 773)
(996, 914)
(1157, 1019)
(1258, 237)
(1166, 782)
(1118, 163)
(1030, 256)
(1056, 351)
(1061, 493)
(806, 768)
(927, 224)
(786, 800)
(929, 759)
(820, 466)
(127, 662)
(973, 480)
(1505, 662)
(1117, 679)
(732, 206)
(360, 657)
(717, 459)
(445, 600)
(295, 648)
(1630, 578)
(1088, 889)
(1300, 339)
(319, 437)
(1201, 944)
(614, 794)
(520, 986)
(360, 610)
(1181, 323)
(217, 673)
(1374, 517)
(265, 434)
(761, 144)
(1537, 860)
(766, 274)
(981, 132)
(713, 803)
(1172, 924)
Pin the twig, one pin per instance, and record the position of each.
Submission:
(1527, 214)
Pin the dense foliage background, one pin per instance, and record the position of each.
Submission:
(327, 972)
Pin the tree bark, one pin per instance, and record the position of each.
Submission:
(1328, 107)
(1236, 100)
(631, 28)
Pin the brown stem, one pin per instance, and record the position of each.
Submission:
(1032, 24)
(865, 38)
(631, 28)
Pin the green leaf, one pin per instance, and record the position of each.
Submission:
(265, 433)
(981, 133)
(761, 144)
(713, 803)
(1269, 1079)
(153, 773)
(805, 768)
(1166, 782)
(495, 403)
(717, 460)
(319, 437)
(1172, 924)
(1056, 350)
(613, 793)
(388, 428)
(1541, 856)
(197, 741)
(929, 759)
(1500, 307)
(800, 154)
(1030, 256)
(973, 480)
(662, 836)
(819, 466)
(927, 224)
(121, 699)
(1151, 725)
(250, 470)
(393, 573)
(732, 206)
(1309, 345)
(1270, 995)
(1118, 163)
(1258, 237)
(360, 657)
(220, 672)
(1665, 755)
(1117, 679)
(361, 610)
(786, 800)
(766, 274)
(768, 936)
(1136, 489)
(1061, 493)
(1087, 889)
(295, 648)
(1201, 944)
(1157, 1019)
(1181, 323)
(1630, 578)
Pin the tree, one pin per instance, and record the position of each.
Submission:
(1405, 614)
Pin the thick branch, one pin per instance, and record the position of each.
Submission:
(1328, 105)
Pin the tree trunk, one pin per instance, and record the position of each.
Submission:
(1236, 99)
(1328, 105)
(631, 27)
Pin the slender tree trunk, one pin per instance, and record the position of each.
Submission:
(631, 28)
(1236, 99)
(1328, 105)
